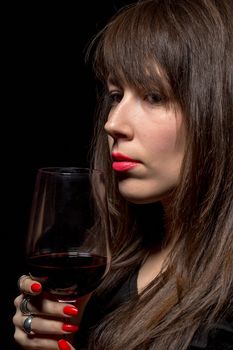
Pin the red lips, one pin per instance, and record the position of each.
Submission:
(122, 162)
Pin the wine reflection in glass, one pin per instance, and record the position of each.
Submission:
(67, 241)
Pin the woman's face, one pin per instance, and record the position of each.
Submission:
(147, 142)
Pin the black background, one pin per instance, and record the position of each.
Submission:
(48, 101)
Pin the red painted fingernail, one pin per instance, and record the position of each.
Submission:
(36, 287)
(70, 310)
(63, 345)
(69, 327)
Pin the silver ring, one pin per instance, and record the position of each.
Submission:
(24, 306)
(27, 324)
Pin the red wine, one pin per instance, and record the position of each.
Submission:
(69, 275)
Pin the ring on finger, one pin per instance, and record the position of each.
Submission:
(27, 324)
(24, 306)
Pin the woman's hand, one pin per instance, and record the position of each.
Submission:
(41, 323)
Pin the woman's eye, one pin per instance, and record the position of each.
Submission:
(114, 97)
(153, 98)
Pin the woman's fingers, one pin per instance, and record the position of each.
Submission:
(44, 333)
(29, 286)
(41, 306)
(38, 342)
(43, 325)
(34, 342)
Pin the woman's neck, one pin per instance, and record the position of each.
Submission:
(151, 267)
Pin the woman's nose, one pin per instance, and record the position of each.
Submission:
(118, 124)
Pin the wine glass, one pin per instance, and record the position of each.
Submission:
(67, 240)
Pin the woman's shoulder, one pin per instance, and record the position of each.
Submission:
(219, 337)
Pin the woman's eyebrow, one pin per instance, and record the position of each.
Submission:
(112, 81)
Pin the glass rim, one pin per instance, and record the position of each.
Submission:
(68, 170)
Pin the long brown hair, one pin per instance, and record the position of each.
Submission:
(190, 41)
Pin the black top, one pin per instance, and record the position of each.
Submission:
(220, 337)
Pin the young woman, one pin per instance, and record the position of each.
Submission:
(165, 139)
